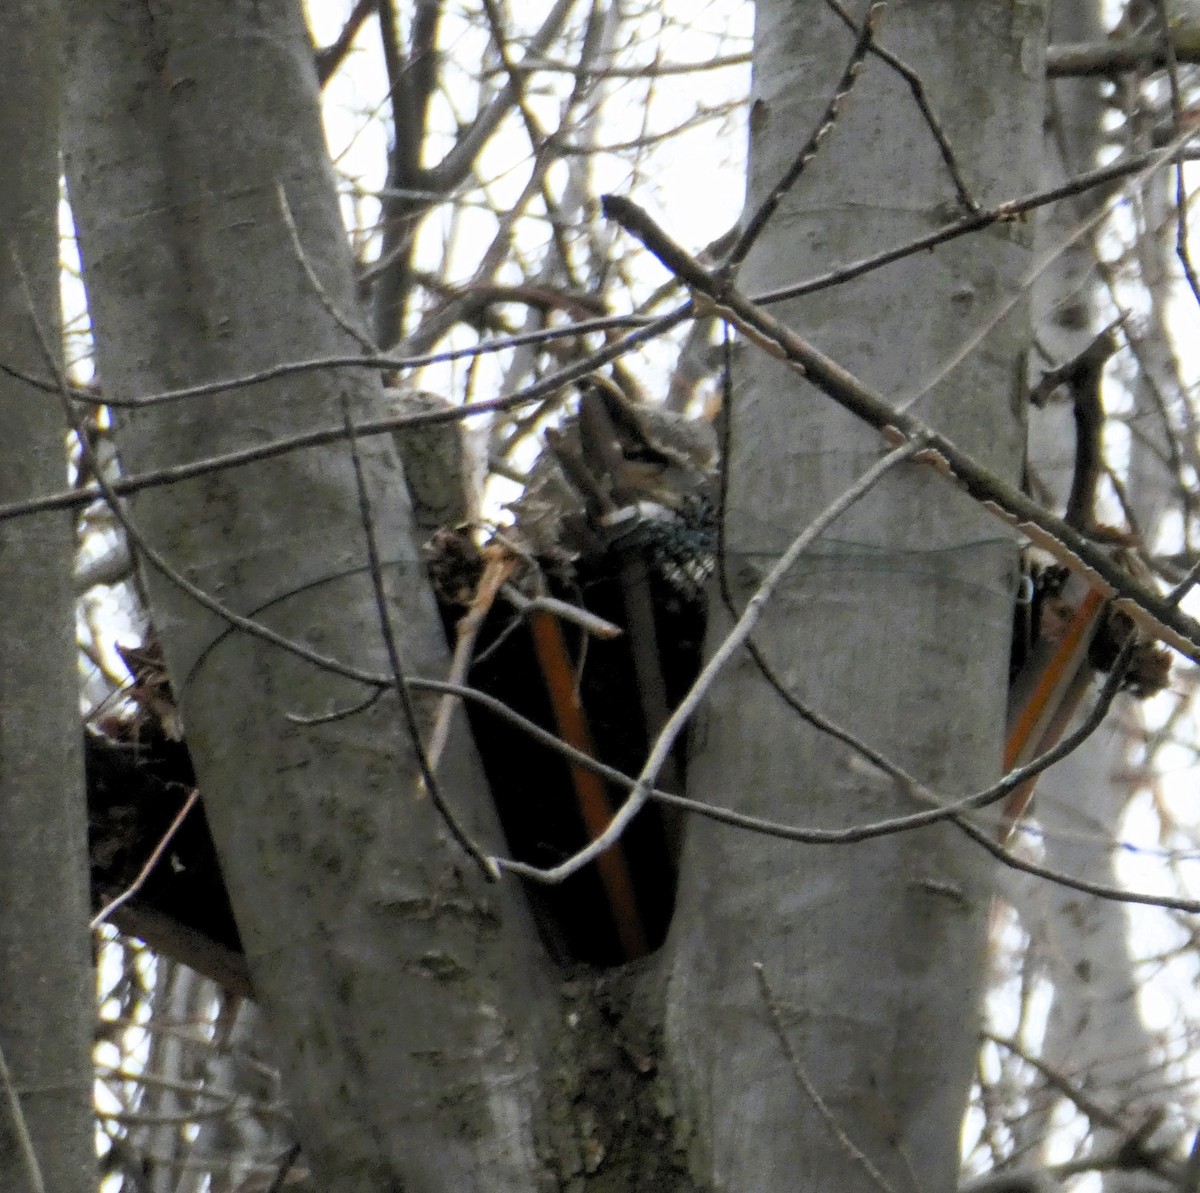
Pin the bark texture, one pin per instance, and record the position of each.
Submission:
(46, 1002)
(403, 992)
(895, 624)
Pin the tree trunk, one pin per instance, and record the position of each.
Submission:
(405, 994)
(46, 1000)
(896, 624)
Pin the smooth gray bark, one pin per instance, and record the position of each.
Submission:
(404, 993)
(896, 624)
(46, 1000)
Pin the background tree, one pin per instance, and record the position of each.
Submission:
(1080, 949)
(423, 1033)
(1105, 1063)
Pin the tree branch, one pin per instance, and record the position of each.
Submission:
(1152, 611)
(1113, 57)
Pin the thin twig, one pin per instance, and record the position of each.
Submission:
(648, 70)
(338, 714)
(347, 325)
(375, 567)
(759, 219)
(1143, 604)
(852, 1150)
(1112, 894)
(517, 80)
(286, 1162)
(387, 362)
(152, 861)
(585, 619)
(16, 1118)
(330, 57)
(670, 732)
(1010, 209)
(921, 99)
(551, 384)
(391, 276)
(408, 712)
(496, 572)
(943, 809)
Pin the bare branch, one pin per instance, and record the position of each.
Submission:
(836, 1129)
(1114, 57)
(16, 1118)
(725, 652)
(1151, 611)
(551, 384)
(758, 219)
(156, 854)
(396, 664)
(921, 99)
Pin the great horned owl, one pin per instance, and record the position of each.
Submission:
(613, 456)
